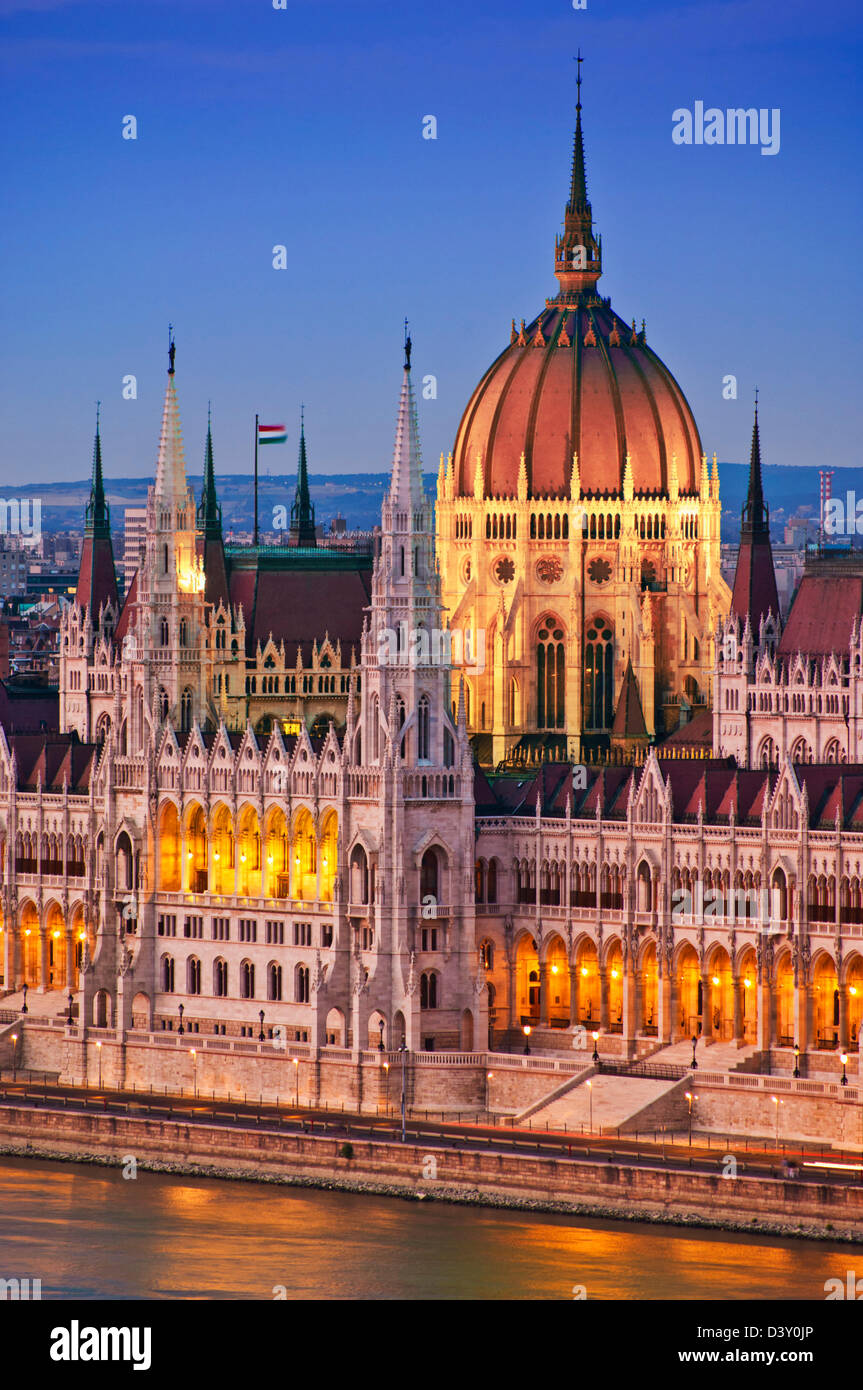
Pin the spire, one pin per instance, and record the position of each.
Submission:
(755, 592)
(209, 544)
(578, 253)
(302, 511)
(209, 511)
(406, 487)
(97, 577)
(171, 483)
(96, 513)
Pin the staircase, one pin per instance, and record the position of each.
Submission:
(613, 1104)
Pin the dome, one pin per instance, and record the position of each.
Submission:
(595, 389)
(577, 380)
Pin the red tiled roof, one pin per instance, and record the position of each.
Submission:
(823, 614)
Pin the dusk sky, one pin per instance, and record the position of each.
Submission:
(303, 127)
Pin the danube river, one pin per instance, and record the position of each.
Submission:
(87, 1232)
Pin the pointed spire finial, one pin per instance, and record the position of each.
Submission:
(172, 349)
(407, 348)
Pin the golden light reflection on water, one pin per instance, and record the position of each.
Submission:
(89, 1233)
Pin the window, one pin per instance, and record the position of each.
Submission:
(220, 978)
(186, 711)
(302, 933)
(598, 676)
(248, 929)
(167, 925)
(274, 981)
(193, 927)
(193, 973)
(429, 875)
(247, 980)
(423, 729)
(327, 934)
(550, 676)
(486, 955)
(302, 984)
(168, 974)
(221, 928)
(429, 938)
(275, 935)
(428, 990)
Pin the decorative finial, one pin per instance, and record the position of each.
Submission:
(578, 60)
(98, 413)
(407, 348)
(302, 417)
(756, 400)
(209, 414)
(171, 349)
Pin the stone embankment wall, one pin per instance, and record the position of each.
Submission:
(607, 1188)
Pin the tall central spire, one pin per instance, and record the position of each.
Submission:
(209, 511)
(756, 517)
(97, 577)
(578, 253)
(302, 512)
(96, 513)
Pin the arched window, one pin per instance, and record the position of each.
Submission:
(184, 633)
(423, 729)
(491, 882)
(168, 974)
(486, 955)
(429, 876)
(193, 975)
(301, 983)
(186, 710)
(163, 703)
(513, 702)
(376, 729)
(550, 676)
(598, 676)
(274, 981)
(428, 990)
(247, 980)
(164, 637)
(403, 742)
(220, 978)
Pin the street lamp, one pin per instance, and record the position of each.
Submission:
(381, 1043)
(194, 1055)
(690, 1097)
(261, 1034)
(70, 1020)
(181, 1030)
(526, 1039)
(796, 1072)
(844, 1060)
(589, 1085)
(693, 1064)
(595, 1047)
(24, 1008)
(297, 1080)
(99, 1050)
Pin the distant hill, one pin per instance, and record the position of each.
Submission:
(357, 497)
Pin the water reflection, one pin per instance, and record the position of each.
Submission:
(89, 1233)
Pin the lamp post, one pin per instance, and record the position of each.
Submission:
(595, 1047)
(99, 1050)
(194, 1056)
(181, 1030)
(297, 1080)
(526, 1031)
(404, 1051)
(381, 1042)
(70, 1019)
(261, 1034)
(796, 1072)
(844, 1060)
(24, 1008)
(14, 1055)
(690, 1097)
(589, 1085)
(693, 1064)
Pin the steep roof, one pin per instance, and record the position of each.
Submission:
(823, 613)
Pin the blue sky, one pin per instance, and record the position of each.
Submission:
(304, 127)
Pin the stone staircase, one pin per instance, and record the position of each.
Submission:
(613, 1104)
(718, 1056)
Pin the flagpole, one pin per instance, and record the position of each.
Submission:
(255, 541)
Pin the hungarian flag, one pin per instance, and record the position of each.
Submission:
(272, 434)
